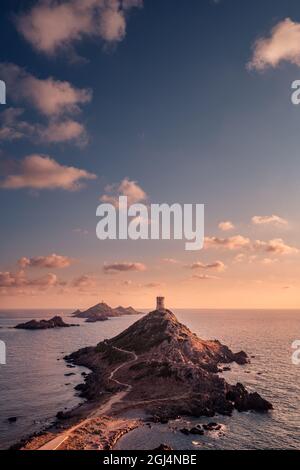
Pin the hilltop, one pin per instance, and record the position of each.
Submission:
(174, 372)
(102, 312)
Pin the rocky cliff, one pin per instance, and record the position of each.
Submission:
(174, 372)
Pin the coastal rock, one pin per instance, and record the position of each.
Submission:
(245, 401)
(63, 415)
(12, 419)
(185, 431)
(95, 318)
(55, 322)
(212, 427)
(169, 369)
(162, 448)
(241, 358)
(196, 430)
(102, 312)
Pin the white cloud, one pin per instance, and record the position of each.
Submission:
(123, 267)
(10, 280)
(226, 226)
(268, 219)
(12, 126)
(56, 131)
(218, 265)
(128, 188)
(204, 277)
(269, 261)
(231, 243)
(283, 44)
(51, 25)
(170, 260)
(55, 100)
(42, 172)
(50, 97)
(276, 246)
(51, 261)
(63, 131)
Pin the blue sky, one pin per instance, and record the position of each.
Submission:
(175, 109)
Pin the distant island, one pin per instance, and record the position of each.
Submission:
(55, 322)
(102, 312)
(157, 366)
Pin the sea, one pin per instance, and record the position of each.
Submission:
(34, 385)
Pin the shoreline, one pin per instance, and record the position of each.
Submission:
(157, 367)
(84, 415)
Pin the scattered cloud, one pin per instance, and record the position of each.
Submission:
(282, 45)
(50, 26)
(268, 219)
(240, 258)
(232, 243)
(85, 282)
(51, 262)
(128, 188)
(14, 127)
(63, 131)
(218, 265)
(57, 101)
(204, 277)
(50, 97)
(11, 280)
(276, 246)
(123, 267)
(226, 226)
(170, 260)
(239, 242)
(269, 261)
(42, 172)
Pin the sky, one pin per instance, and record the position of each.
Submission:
(165, 101)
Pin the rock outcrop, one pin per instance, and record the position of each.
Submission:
(102, 312)
(174, 373)
(55, 322)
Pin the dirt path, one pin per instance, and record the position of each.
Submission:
(102, 410)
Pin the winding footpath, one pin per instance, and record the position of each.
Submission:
(104, 409)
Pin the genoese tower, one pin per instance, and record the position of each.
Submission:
(160, 303)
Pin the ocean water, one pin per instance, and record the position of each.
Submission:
(33, 385)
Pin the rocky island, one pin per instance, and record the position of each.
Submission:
(55, 322)
(102, 312)
(157, 367)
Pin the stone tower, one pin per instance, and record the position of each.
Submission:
(160, 303)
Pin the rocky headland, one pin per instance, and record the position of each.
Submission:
(173, 371)
(55, 322)
(158, 368)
